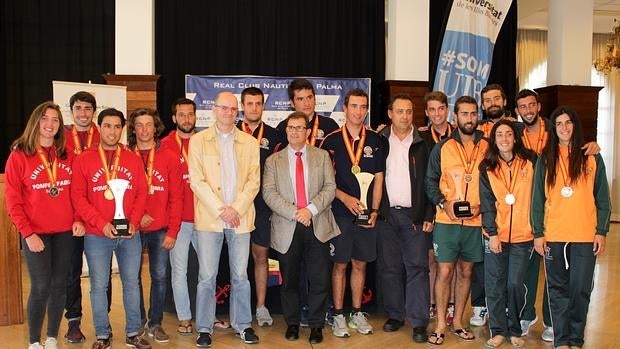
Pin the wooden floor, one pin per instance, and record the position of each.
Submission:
(600, 331)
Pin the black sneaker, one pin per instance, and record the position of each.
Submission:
(137, 342)
(248, 336)
(203, 340)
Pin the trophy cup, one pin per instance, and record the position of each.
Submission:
(462, 208)
(120, 223)
(363, 179)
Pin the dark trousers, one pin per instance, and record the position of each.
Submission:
(73, 302)
(478, 298)
(315, 254)
(48, 280)
(531, 284)
(403, 266)
(570, 273)
(505, 287)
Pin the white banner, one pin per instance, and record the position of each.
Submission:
(467, 50)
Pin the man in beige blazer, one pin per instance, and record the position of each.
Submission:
(299, 186)
(224, 174)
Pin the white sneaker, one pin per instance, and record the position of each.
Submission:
(35, 345)
(359, 322)
(51, 343)
(339, 328)
(480, 316)
(547, 334)
(526, 325)
(263, 317)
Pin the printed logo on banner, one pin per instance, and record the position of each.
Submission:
(329, 95)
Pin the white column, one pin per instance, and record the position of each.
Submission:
(407, 40)
(135, 37)
(570, 42)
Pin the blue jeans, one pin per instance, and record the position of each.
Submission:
(209, 249)
(178, 263)
(158, 262)
(128, 252)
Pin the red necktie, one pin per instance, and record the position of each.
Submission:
(300, 184)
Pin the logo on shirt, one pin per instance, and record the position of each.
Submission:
(368, 152)
(264, 143)
(320, 134)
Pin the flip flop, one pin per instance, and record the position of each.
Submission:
(495, 342)
(464, 334)
(517, 342)
(222, 324)
(437, 338)
(185, 330)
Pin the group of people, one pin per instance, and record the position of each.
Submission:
(474, 204)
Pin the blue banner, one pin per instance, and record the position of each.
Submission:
(467, 49)
(329, 92)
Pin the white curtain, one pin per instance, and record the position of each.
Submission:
(532, 58)
(532, 73)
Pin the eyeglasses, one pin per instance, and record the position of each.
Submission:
(295, 128)
(226, 109)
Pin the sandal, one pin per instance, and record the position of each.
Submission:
(464, 334)
(185, 328)
(495, 342)
(221, 324)
(517, 342)
(436, 338)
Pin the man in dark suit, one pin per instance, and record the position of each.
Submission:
(299, 186)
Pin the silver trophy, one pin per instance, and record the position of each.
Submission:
(363, 179)
(120, 223)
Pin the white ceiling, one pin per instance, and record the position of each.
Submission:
(533, 14)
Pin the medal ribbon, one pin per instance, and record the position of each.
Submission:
(514, 166)
(106, 169)
(468, 163)
(541, 139)
(437, 137)
(180, 143)
(354, 157)
(148, 169)
(563, 169)
(315, 131)
(78, 143)
(52, 169)
(261, 130)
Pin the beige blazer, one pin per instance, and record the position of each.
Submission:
(279, 195)
(205, 180)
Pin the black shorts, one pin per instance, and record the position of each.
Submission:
(354, 242)
(262, 233)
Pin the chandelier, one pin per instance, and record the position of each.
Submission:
(611, 60)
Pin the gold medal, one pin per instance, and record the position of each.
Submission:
(108, 195)
(356, 169)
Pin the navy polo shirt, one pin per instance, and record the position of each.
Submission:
(372, 161)
(326, 126)
(270, 142)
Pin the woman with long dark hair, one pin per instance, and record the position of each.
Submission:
(570, 216)
(38, 180)
(506, 176)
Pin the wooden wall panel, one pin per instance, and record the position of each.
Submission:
(11, 302)
(141, 89)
